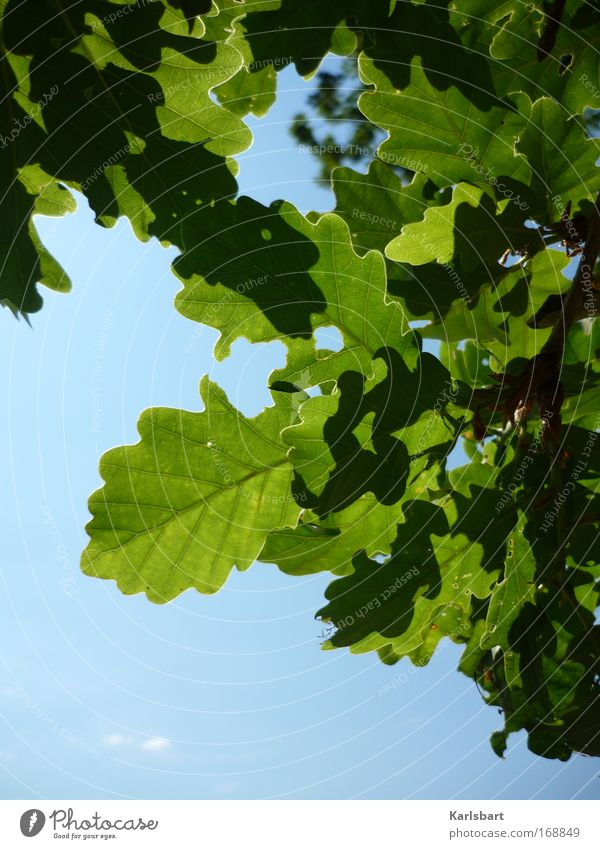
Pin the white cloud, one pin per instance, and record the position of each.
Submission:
(118, 740)
(155, 744)
(150, 744)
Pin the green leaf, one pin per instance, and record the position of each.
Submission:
(516, 292)
(363, 437)
(180, 77)
(89, 90)
(283, 32)
(562, 159)
(498, 742)
(460, 228)
(516, 589)
(511, 33)
(470, 363)
(286, 282)
(194, 498)
(442, 134)
(376, 205)
(328, 544)
(249, 91)
(343, 451)
(430, 575)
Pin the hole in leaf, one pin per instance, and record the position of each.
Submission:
(566, 60)
(244, 374)
(457, 457)
(329, 339)
(313, 391)
(591, 119)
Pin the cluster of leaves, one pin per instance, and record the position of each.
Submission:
(140, 106)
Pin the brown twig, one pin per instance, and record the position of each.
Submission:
(540, 381)
(581, 287)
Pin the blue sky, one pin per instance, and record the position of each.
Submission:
(228, 696)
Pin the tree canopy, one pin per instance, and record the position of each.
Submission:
(475, 225)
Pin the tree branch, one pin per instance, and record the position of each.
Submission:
(581, 293)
